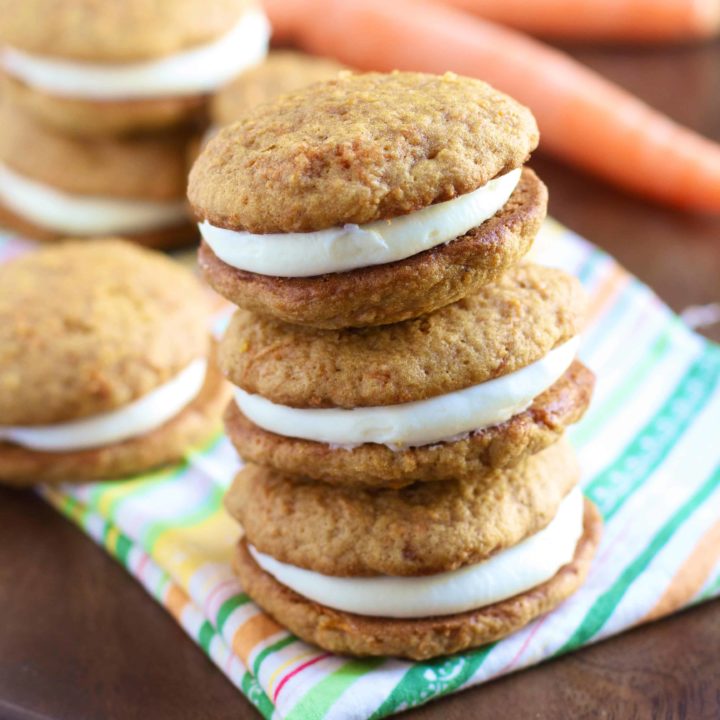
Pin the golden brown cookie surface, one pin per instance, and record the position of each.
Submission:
(373, 465)
(359, 148)
(169, 443)
(422, 638)
(393, 292)
(118, 31)
(282, 71)
(89, 326)
(143, 168)
(419, 530)
(89, 118)
(499, 329)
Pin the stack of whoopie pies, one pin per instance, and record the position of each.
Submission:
(402, 380)
(100, 103)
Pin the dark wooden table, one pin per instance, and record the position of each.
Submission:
(80, 639)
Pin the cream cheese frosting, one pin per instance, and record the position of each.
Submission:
(509, 572)
(340, 249)
(71, 214)
(198, 70)
(423, 422)
(137, 418)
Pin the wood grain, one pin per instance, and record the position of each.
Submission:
(80, 639)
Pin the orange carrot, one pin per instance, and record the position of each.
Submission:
(635, 20)
(284, 16)
(583, 118)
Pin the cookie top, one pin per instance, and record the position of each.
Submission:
(146, 167)
(422, 529)
(359, 148)
(503, 327)
(120, 31)
(283, 71)
(90, 326)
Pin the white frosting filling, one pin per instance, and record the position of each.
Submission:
(416, 423)
(339, 249)
(198, 70)
(62, 212)
(505, 574)
(137, 418)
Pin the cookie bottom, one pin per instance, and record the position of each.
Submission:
(421, 638)
(396, 291)
(372, 465)
(23, 467)
(78, 116)
(160, 239)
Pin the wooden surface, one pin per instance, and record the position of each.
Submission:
(79, 639)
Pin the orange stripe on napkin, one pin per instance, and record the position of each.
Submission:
(691, 576)
(610, 287)
(175, 601)
(252, 632)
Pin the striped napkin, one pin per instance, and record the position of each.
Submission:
(650, 454)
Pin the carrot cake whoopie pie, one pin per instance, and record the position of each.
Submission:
(116, 67)
(476, 385)
(367, 199)
(348, 569)
(103, 364)
(54, 185)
